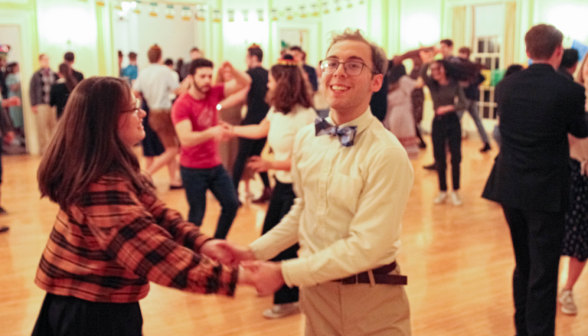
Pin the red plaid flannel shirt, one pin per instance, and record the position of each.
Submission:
(108, 248)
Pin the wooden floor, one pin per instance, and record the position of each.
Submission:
(458, 259)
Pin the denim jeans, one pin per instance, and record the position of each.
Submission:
(197, 182)
(447, 130)
(472, 109)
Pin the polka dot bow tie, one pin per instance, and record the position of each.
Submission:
(346, 134)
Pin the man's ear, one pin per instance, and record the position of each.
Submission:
(377, 81)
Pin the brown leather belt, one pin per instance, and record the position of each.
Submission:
(380, 274)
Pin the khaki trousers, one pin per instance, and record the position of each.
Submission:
(355, 310)
(46, 125)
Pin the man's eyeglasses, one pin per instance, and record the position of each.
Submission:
(352, 68)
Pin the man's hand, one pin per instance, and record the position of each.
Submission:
(9, 137)
(225, 252)
(227, 66)
(218, 132)
(258, 164)
(12, 101)
(265, 276)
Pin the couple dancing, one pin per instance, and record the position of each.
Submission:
(345, 182)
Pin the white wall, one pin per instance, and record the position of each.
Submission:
(569, 16)
(65, 25)
(138, 32)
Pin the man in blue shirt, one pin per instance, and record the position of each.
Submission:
(130, 72)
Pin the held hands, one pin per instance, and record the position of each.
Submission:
(225, 252)
(227, 66)
(220, 133)
(258, 164)
(265, 276)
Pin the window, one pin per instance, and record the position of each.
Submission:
(486, 51)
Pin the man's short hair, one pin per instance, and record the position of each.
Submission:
(168, 62)
(154, 54)
(120, 54)
(447, 42)
(132, 56)
(465, 50)
(69, 56)
(296, 48)
(570, 58)
(194, 49)
(542, 40)
(41, 56)
(200, 63)
(255, 50)
(379, 58)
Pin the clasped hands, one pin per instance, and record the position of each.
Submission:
(265, 276)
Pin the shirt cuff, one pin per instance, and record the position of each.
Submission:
(262, 248)
(296, 272)
(199, 241)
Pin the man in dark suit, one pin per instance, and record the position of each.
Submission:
(300, 57)
(530, 179)
(69, 58)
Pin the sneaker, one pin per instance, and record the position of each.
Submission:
(430, 167)
(282, 310)
(485, 148)
(441, 198)
(456, 198)
(568, 306)
(4, 229)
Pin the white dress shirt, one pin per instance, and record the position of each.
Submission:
(156, 82)
(283, 129)
(349, 205)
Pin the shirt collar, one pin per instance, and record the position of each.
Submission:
(362, 122)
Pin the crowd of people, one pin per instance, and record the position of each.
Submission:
(341, 135)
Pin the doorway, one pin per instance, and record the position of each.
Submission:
(10, 64)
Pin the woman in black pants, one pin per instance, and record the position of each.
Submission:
(448, 98)
(290, 97)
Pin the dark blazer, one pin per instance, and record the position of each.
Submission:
(379, 101)
(312, 77)
(538, 108)
(77, 75)
(59, 96)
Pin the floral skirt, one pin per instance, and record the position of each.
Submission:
(576, 233)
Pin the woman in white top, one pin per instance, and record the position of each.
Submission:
(575, 244)
(290, 98)
(399, 117)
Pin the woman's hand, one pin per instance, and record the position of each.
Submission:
(444, 109)
(258, 164)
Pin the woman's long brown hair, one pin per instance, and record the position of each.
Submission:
(86, 145)
(67, 73)
(292, 88)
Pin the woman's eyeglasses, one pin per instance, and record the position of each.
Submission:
(137, 107)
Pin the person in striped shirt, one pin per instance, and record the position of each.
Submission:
(112, 235)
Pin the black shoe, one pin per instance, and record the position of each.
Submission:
(3, 211)
(430, 167)
(423, 145)
(176, 187)
(486, 148)
(267, 194)
(4, 229)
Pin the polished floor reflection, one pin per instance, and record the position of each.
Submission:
(458, 260)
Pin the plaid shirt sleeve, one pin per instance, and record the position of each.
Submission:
(184, 233)
(130, 234)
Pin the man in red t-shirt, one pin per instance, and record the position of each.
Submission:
(195, 118)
